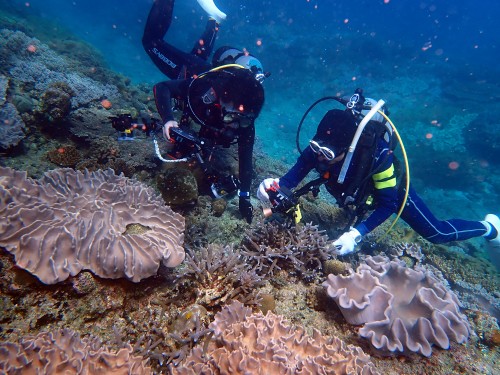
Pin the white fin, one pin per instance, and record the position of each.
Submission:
(212, 10)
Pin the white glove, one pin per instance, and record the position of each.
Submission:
(212, 10)
(264, 186)
(346, 243)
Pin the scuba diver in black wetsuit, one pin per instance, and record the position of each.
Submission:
(224, 97)
(354, 172)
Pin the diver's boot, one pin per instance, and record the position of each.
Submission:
(494, 221)
(494, 242)
(212, 10)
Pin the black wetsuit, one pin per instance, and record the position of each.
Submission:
(171, 61)
(180, 67)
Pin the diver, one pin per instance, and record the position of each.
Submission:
(223, 97)
(372, 176)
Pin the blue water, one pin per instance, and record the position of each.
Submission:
(434, 62)
(463, 32)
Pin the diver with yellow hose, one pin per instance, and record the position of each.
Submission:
(352, 151)
(219, 101)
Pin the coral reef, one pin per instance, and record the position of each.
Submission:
(253, 343)
(11, 126)
(401, 309)
(463, 269)
(63, 351)
(408, 252)
(40, 70)
(409, 249)
(68, 221)
(204, 228)
(159, 316)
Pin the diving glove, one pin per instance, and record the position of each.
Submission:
(347, 242)
(265, 186)
(212, 10)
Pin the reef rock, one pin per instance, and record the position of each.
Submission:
(68, 221)
(11, 125)
(402, 309)
(178, 187)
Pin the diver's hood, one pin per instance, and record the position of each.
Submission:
(336, 130)
(230, 55)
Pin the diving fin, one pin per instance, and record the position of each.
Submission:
(212, 10)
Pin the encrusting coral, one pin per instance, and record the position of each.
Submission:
(68, 221)
(246, 343)
(55, 102)
(64, 352)
(402, 309)
(65, 156)
(178, 187)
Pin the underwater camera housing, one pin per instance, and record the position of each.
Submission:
(126, 125)
(187, 144)
(223, 186)
(283, 200)
(190, 144)
(179, 136)
(286, 201)
(121, 122)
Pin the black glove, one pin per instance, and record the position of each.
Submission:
(246, 209)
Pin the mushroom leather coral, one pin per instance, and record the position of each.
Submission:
(246, 343)
(64, 352)
(402, 309)
(70, 220)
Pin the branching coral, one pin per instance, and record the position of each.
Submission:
(219, 274)
(274, 246)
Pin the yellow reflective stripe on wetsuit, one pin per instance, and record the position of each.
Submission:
(385, 179)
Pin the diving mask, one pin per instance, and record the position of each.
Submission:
(324, 151)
